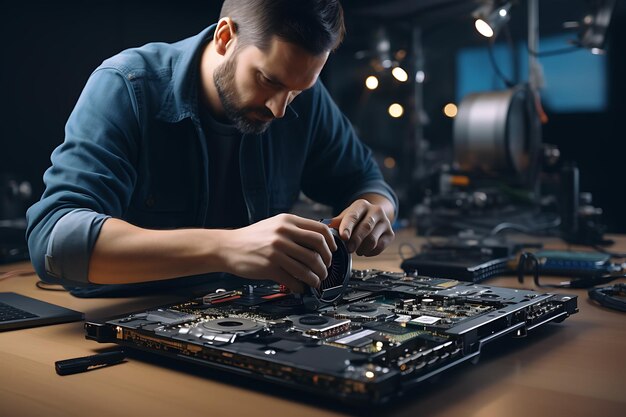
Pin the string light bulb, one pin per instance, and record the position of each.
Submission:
(395, 110)
(371, 82)
(400, 74)
(450, 110)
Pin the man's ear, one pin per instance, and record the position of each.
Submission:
(225, 35)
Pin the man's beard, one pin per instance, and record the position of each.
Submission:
(224, 79)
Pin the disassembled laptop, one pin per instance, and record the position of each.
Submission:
(366, 336)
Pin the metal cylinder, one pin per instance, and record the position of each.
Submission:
(497, 132)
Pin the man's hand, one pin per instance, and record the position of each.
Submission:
(365, 225)
(288, 249)
(285, 248)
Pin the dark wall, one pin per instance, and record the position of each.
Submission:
(49, 50)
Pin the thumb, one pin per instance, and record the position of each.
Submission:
(335, 223)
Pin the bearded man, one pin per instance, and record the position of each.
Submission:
(182, 160)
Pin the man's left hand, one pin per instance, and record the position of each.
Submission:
(365, 227)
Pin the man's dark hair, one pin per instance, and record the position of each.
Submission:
(315, 25)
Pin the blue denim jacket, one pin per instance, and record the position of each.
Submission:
(135, 149)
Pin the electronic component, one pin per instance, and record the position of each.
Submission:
(464, 265)
(586, 269)
(339, 272)
(86, 363)
(319, 326)
(220, 296)
(162, 316)
(222, 330)
(362, 312)
(231, 325)
(389, 333)
(574, 263)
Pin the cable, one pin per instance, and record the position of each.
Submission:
(524, 229)
(527, 258)
(524, 259)
(512, 226)
(39, 284)
(514, 55)
(496, 68)
(15, 273)
(611, 297)
(524, 222)
(49, 287)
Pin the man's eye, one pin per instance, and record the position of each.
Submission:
(267, 80)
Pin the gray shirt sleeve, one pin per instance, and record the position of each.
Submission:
(70, 245)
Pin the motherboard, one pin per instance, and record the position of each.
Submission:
(387, 333)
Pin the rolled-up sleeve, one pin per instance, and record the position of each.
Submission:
(70, 244)
(91, 178)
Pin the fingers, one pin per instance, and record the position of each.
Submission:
(317, 244)
(366, 228)
(304, 253)
(359, 221)
(311, 271)
(309, 234)
(291, 250)
(376, 242)
(318, 227)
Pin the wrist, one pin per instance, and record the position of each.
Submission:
(219, 257)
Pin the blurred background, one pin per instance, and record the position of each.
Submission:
(463, 125)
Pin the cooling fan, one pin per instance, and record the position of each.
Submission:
(339, 273)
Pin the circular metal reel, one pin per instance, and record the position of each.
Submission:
(498, 132)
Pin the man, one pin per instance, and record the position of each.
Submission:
(179, 158)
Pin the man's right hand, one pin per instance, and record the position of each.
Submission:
(288, 249)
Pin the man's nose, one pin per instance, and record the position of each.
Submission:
(278, 103)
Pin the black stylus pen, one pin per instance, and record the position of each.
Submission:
(76, 365)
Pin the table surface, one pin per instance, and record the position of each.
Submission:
(574, 368)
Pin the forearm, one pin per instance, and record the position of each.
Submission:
(287, 249)
(124, 253)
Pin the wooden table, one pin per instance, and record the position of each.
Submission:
(575, 368)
